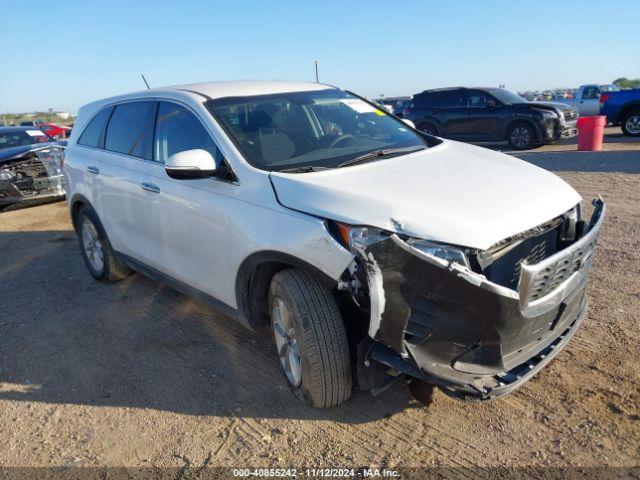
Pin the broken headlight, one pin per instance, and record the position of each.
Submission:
(5, 174)
(359, 238)
(444, 252)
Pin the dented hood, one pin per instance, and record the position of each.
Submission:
(452, 193)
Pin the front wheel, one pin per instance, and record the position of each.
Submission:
(310, 338)
(521, 136)
(631, 124)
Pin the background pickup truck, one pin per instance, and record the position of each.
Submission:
(622, 108)
(588, 97)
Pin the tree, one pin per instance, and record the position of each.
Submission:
(624, 82)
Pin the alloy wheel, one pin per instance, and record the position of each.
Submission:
(286, 341)
(92, 246)
(520, 137)
(633, 124)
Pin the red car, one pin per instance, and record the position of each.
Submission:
(51, 129)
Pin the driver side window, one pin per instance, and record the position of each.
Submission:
(591, 93)
(177, 130)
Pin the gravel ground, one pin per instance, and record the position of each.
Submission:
(135, 374)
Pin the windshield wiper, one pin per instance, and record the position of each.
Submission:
(302, 169)
(385, 152)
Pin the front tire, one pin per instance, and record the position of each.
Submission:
(521, 136)
(310, 338)
(96, 249)
(631, 124)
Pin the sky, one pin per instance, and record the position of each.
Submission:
(66, 53)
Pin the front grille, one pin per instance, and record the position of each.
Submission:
(566, 268)
(557, 272)
(506, 269)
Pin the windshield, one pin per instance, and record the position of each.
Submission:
(507, 97)
(20, 138)
(321, 129)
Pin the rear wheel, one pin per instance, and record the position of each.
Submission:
(96, 249)
(521, 136)
(310, 338)
(428, 129)
(631, 124)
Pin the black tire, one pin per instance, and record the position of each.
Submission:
(111, 269)
(422, 391)
(319, 335)
(428, 128)
(630, 123)
(521, 136)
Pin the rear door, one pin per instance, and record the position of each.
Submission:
(450, 110)
(482, 122)
(119, 174)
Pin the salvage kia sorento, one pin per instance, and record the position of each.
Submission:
(375, 253)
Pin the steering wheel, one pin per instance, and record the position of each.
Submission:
(341, 138)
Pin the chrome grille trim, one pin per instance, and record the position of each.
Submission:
(545, 284)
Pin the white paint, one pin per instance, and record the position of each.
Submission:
(452, 193)
(34, 133)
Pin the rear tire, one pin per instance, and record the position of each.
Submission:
(521, 136)
(631, 123)
(96, 250)
(428, 129)
(310, 338)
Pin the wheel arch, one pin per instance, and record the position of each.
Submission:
(515, 120)
(75, 205)
(254, 277)
(429, 121)
(628, 108)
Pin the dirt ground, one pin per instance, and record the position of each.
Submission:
(135, 374)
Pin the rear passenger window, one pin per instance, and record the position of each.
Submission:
(126, 129)
(422, 101)
(451, 99)
(177, 130)
(92, 134)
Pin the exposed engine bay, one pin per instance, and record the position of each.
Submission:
(34, 174)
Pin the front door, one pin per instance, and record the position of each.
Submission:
(187, 219)
(589, 104)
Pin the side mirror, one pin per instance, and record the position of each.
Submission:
(490, 104)
(409, 122)
(190, 164)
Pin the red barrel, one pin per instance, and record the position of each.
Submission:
(590, 132)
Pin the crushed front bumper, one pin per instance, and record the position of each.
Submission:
(473, 338)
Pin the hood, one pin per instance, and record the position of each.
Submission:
(14, 153)
(563, 107)
(452, 193)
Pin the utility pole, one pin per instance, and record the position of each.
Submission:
(316, 63)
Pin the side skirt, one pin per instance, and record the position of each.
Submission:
(181, 287)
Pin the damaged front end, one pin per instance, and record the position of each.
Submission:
(35, 174)
(476, 323)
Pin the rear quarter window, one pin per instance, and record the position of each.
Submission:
(92, 134)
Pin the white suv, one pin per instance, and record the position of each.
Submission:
(374, 251)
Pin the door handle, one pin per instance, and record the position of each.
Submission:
(150, 187)
(93, 169)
